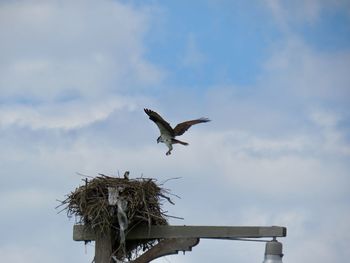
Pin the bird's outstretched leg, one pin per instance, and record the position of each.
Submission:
(170, 148)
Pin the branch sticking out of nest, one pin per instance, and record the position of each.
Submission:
(141, 203)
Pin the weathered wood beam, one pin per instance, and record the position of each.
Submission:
(81, 233)
(222, 232)
(103, 248)
(167, 247)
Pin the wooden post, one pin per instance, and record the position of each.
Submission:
(103, 247)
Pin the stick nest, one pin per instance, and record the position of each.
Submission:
(90, 206)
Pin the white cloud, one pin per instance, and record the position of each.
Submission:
(334, 140)
(51, 48)
(26, 199)
(292, 167)
(193, 57)
(45, 251)
(70, 62)
(17, 254)
(65, 115)
(297, 69)
(324, 119)
(244, 165)
(290, 13)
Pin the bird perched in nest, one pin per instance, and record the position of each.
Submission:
(167, 133)
(126, 175)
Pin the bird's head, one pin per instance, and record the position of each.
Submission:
(159, 139)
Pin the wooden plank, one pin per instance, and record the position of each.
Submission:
(103, 248)
(167, 247)
(81, 233)
(222, 232)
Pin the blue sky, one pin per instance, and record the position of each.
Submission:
(272, 75)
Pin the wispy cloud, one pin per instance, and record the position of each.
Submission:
(290, 13)
(65, 115)
(44, 56)
(193, 57)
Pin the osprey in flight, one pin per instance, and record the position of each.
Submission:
(168, 134)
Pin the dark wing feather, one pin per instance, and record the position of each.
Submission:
(163, 125)
(184, 126)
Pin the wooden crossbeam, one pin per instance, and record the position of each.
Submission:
(172, 238)
(81, 233)
(167, 247)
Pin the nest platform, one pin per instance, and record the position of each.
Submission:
(90, 205)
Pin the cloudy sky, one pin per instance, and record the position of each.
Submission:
(272, 75)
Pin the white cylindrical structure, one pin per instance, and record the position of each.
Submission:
(273, 252)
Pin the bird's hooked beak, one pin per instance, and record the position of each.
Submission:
(158, 139)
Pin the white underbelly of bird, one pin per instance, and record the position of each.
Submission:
(169, 141)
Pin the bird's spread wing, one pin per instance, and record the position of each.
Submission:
(163, 125)
(184, 126)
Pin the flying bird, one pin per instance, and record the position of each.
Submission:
(167, 133)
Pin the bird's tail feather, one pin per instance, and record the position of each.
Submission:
(177, 141)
